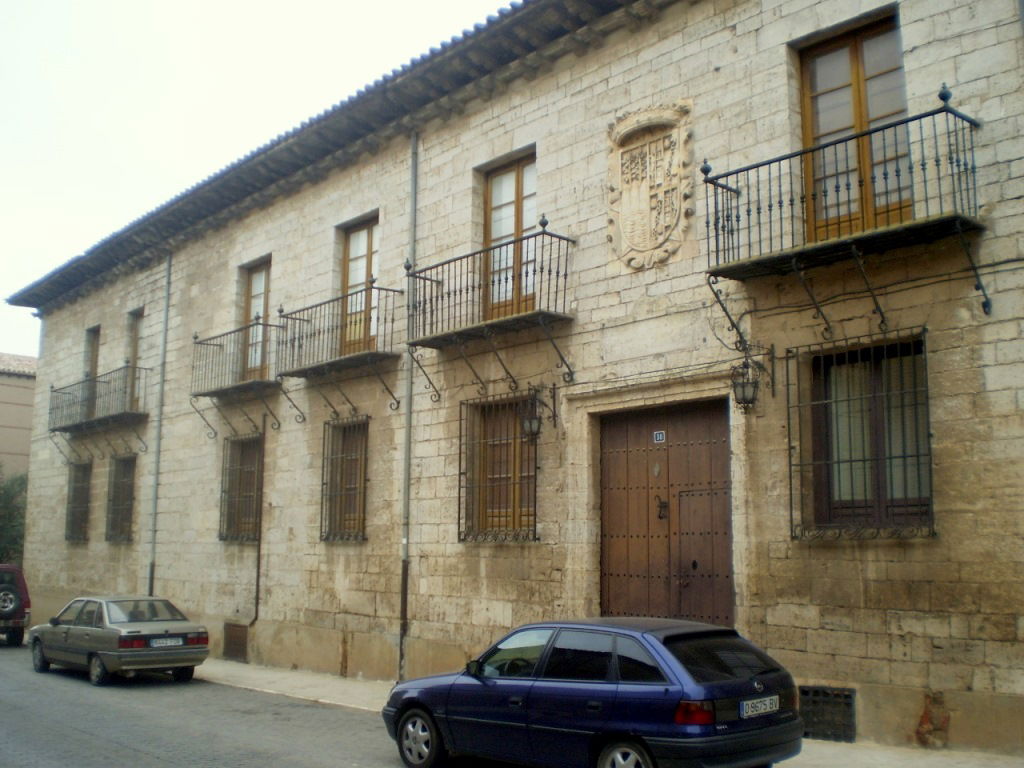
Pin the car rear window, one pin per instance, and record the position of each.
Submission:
(635, 664)
(717, 658)
(121, 611)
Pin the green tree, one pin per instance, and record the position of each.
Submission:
(12, 517)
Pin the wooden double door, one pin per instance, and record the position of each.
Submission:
(666, 517)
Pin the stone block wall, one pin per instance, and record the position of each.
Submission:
(894, 619)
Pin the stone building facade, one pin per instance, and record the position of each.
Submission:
(692, 308)
(17, 395)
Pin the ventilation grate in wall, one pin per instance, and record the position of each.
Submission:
(236, 642)
(828, 713)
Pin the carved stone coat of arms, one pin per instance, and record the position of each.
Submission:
(650, 184)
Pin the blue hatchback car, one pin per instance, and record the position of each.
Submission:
(605, 693)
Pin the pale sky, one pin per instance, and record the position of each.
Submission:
(112, 107)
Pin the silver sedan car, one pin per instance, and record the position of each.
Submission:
(120, 635)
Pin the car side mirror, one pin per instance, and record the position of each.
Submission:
(54, 621)
(473, 668)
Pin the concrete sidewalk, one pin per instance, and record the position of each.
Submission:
(370, 695)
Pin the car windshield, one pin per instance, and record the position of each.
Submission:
(714, 659)
(516, 655)
(123, 611)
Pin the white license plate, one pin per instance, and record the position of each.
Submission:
(763, 706)
(166, 642)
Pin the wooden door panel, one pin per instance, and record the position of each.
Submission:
(666, 540)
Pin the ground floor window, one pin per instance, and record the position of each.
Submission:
(859, 431)
(241, 496)
(343, 500)
(121, 498)
(498, 469)
(76, 527)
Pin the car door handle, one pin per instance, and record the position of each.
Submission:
(515, 701)
(593, 706)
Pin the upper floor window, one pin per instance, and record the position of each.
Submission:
(510, 214)
(92, 370)
(358, 266)
(257, 310)
(851, 84)
(131, 359)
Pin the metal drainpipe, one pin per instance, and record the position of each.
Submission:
(410, 300)
(158, 442)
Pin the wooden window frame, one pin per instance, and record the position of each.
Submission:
(878, 510)
(344, 480)
(868, 214)
(498, 469)
(255, 344)
(135, 319)
(121, 497)
(358, 306)
(93, 339)
(521, 300)
(76, 526)
(241, 505)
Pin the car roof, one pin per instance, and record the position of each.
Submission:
(109, 598)
(650, 625)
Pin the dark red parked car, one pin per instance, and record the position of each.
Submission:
(15, 605)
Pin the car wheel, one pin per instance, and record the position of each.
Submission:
(39, 661)
(98, 674)
(419, 742)
(10, 601)
(15, 637)
(625, 754)
(183, 674)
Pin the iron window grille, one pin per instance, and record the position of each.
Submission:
(498, 469)
(241, 495)
(76, 527)
(343, 496)
(859, 434)
(121, 498)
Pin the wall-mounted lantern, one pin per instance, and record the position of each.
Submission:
(530, 415)
(746, 380)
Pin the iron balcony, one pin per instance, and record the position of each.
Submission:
(343, 333)
(111, 398)
(907, 182)
(517, 284)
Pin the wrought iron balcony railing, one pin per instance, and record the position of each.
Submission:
(117, 395)
(345, 332)
(502, 288)
(908, 181)
(233, 361)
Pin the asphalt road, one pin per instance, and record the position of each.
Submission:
(58, 719)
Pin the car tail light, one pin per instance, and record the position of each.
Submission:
(695, 713)
(788, 699)
(131, 642)
(197, 638)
